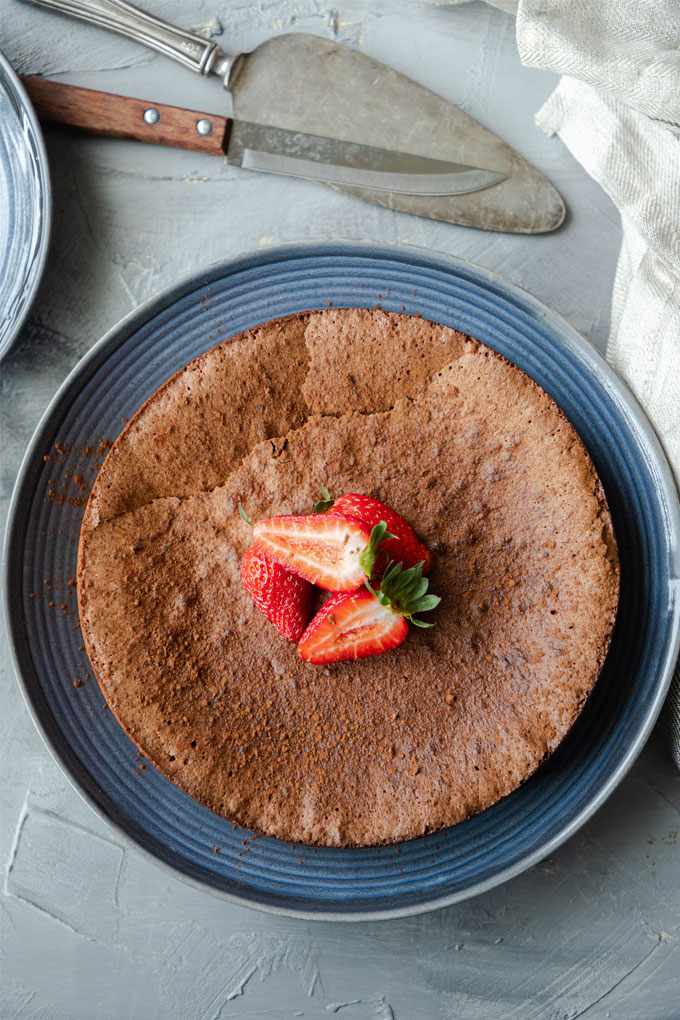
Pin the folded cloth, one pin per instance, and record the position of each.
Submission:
(617, 109)
(628, 48)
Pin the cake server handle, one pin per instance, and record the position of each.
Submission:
(193, 51)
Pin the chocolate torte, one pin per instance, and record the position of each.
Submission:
(495, 481)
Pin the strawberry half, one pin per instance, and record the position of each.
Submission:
(337, 553)
(354, 625)
(404, 546)
(284, 598)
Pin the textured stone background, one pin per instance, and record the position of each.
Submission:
(89, 928)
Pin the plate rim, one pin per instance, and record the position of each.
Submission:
(35, 277)
(119, 333)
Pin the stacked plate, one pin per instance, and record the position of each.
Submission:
(24, 205)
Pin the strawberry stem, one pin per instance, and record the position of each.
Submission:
(404, 592)
(243, 515)
(326, 501)
(378, 535)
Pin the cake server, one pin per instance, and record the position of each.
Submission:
(304, 83)
(253, 146)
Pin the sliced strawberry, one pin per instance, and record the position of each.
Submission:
(337, 553)
(351, 625)
(284, 598)
(404, 547)
(354, 625)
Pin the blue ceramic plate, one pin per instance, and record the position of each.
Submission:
(111, 383)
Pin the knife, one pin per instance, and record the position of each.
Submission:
(253, 146)
(304, 83)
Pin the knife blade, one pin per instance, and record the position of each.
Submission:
(295, 153)
(253, 146)
(304, 83)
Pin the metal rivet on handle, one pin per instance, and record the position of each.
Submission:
(151, 116)
(204, 126)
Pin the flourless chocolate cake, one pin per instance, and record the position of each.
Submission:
(495, 481)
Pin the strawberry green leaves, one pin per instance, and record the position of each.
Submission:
(405, 592)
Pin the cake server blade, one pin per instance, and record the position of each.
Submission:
(304, 83)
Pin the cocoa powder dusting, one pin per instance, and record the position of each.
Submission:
(416, 739)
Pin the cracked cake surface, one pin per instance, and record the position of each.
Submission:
(495, 481)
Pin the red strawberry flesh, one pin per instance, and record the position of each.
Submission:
(283, 597)
(351, 626)
(326, 550)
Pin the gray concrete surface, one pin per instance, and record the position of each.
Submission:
(90, 929)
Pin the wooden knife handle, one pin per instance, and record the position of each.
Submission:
(102, 113)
